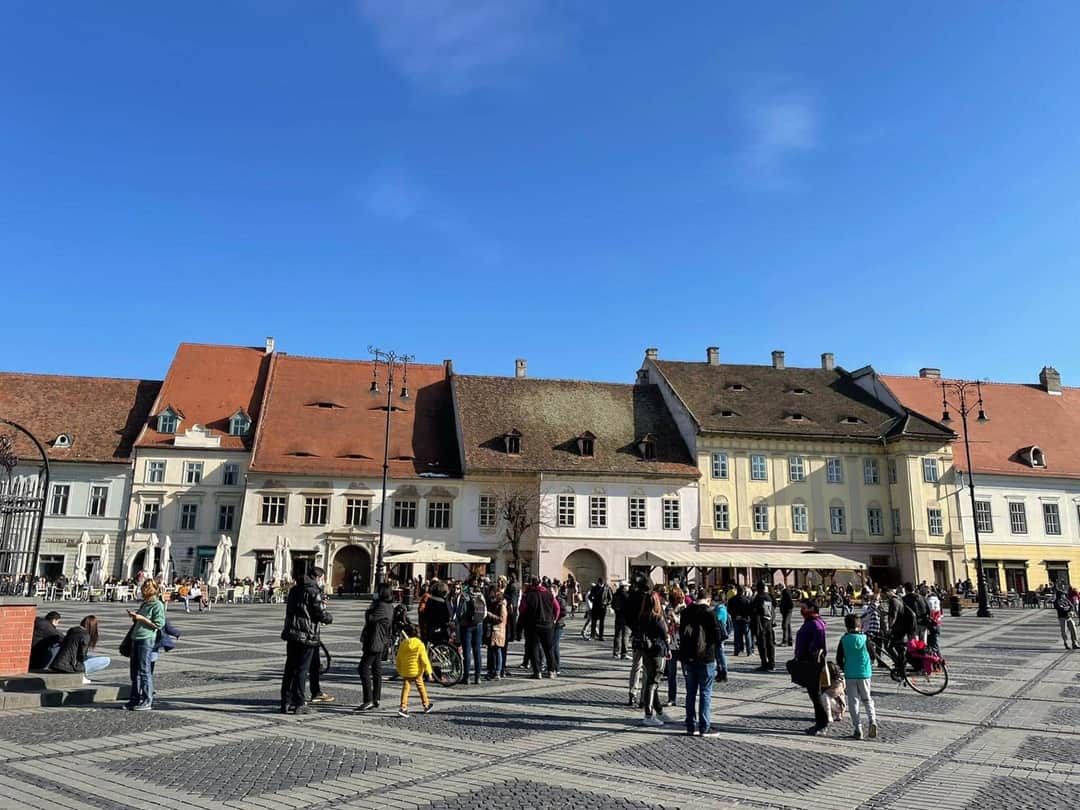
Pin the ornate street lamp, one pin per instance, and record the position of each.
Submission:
(391, 361)
(961, 391)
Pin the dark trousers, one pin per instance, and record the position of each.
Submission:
(766, 644)
(540, 640)
(821, 717)
(597, 621)
(785, 624)
(472, 636)
(618, 647)
(313, 673)
(671, 669)
(513, 632)
(297, 667)
(371, 676)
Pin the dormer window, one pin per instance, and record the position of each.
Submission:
(586, 444)
(850, 420)
(798, 392)
(63, 440)
(647, 447)
(512, 442)
(797, 417)
(737, 387)
(301, 454)
(1034, 457)
(325, 405)
(729, 414)
(239, 424)
(168, 421)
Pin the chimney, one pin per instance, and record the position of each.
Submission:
(930, 373)
(269, 344)
(777, 359)
(520, 367)
(652, 354)
(448, 368)
(712, 354)
(1050, 380)
(828, 361)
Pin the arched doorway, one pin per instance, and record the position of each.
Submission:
(585, 565)
(352, 571)
(138, 560)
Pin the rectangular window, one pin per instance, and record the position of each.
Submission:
(984, 521)
(721, 516)
(316, 510)
(226, 517)
(797, 468)
(273, 509)
(566, 510)
(597, 512)
(488, 512)
(155, 472)
(800, 519)
(637, 513)
(438, 514)
(759, 469)
(834, 470)
(357, 511)
(404, 514)
(874, 522)
(150, 514)
(1052, 518)
(935, 525)
(870, 473)
(837, 520)
(930, 470)
(896, 522)
(192, 472)
(189, 517)
(230, 475)
(60, 495)
(761, 517)
(672, 517)
(99, 500)
(719, 465)
(894, 473)
(1017, 517)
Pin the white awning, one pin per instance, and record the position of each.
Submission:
(435, 556)
(809, 560)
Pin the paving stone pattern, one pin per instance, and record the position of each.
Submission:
(83, 724)
(908, 703)
(239, 770)
(489, 725)
(1050, 749)
(791, 721)
(526, 795)
(1023, 794)
(1068, 716)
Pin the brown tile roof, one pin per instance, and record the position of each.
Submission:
(208, 384)
(551, 414)
(102, 415)
(344, 436)
(807, 402)
(1019, 416)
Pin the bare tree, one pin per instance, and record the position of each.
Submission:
(522, 511)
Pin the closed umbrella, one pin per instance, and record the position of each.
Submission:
(79, 577)
(103, 561)
(152, 543)
(215, 574)
(226, 557)
(286, 561)
(166, 559)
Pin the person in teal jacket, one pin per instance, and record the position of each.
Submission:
(853, 656)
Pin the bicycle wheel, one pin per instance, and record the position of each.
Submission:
(446, 661)
(324, 658)
(928, 683)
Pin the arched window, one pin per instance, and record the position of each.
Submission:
(721, 514)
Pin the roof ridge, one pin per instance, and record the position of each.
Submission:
(1034, 385)
(553, 379)
(75, 377)
(219, 346)
(350, 361)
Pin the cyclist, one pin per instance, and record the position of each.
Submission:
(437, 615)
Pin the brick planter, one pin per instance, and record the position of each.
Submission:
(16, 631)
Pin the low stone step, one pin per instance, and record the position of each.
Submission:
(83, 696)
(37, 681)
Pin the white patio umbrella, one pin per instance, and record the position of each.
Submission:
(214, 579)
(166, 559)
(149, 555)
(79, 577)
(286, 561)
(103, 563)
(226, 557)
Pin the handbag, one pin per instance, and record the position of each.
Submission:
(125, 644)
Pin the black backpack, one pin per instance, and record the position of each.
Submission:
(692, 642)
(475, 609)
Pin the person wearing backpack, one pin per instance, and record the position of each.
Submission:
(854, 656)
(655, 654)
(599, 600)
(538, 614)
(723, 628)
(1066, 616)
(918, 605)
(472, 611)
(699, 640)
(903, 627)
(618, 607)
(761, 613)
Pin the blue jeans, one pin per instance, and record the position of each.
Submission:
(699, 684)
(559, 630)
(671, 669)
(496, 660)
(142, 679)
(744, 637)
(95, 664)
(721, 658)
(471, 638)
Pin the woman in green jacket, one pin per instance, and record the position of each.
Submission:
(147, 621)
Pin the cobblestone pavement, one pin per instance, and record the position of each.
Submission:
(1006, 733)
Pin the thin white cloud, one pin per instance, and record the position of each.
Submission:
(781, 121)
(455, 46)
(394, 195)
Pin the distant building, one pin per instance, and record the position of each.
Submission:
(1026, 460)
(87, 425)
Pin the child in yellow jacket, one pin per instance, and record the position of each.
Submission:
(412, 664)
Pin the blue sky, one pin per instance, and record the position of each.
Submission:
(568, 182)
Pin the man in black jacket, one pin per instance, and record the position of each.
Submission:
(761, 610)
(374, 639)
(538, 615)
(699, 637)
(46, 640)
(512, 595)
(303, 614)
(787, 607)
(599, 598)
(618, 606)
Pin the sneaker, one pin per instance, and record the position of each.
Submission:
(653, 722)
(710, 733)
(631, 702)
(141, 707)
(364, 707)
(857, 734)
(872, 733)
(553, 674)
(323, 698)
(429, 707)
(305, 710)
(403, 712)
(672, 703)
(812, 731)
(86, 680)
(667, 718)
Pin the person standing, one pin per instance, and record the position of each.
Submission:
(599, 601)
(739, 608)
(761, 613)
(560, 625)
(655, 654)
(698, 643)
(472, 612)
(787, 607)
(810, 644)
(854, 657)
(618, 607)
(374, 639)
(676, 603)
(146, 622)
(412, 664)
(538, 614)
(512, 595)
(303, 614)
(1066, 616)
(635, 603)
(723, 629)
(497, 620)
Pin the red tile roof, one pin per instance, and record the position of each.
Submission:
(320, 418)
(1019, 416)
(101, 415)
(208, 384)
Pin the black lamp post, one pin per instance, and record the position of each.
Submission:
(391, 361)
(961, 391)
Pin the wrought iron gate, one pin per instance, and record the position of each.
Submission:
(22, 506)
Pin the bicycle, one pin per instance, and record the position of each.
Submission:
(446, 660)
(324, 658)
(926, 673)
